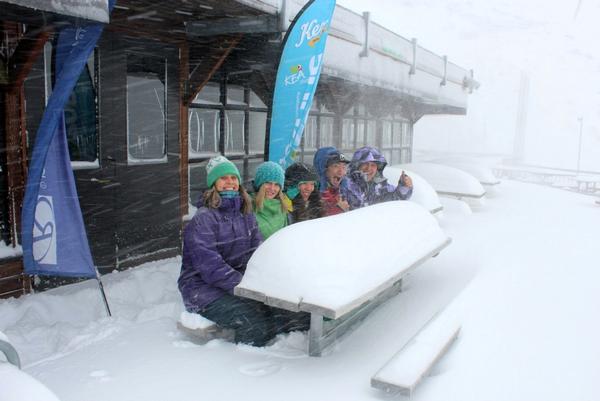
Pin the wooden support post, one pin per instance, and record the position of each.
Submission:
(184, 73)
(199, 77)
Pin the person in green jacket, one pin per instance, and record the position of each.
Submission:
(271, 206)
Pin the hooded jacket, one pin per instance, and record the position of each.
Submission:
(301, 210)
(378, 189)
(217, 244)
(347, 190)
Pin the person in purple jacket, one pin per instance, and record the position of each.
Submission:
(366, 171)
(217, 244)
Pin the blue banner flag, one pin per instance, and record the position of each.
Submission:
(297, 78)
(53, 234)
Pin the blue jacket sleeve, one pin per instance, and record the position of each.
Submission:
(201, 239)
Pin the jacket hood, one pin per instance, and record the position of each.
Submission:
(320, 163)
(368, 154)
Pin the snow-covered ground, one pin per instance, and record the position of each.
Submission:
(521, 275)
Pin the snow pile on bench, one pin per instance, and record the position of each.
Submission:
(194, 321)
(403, 372)
(471, 166)
(334, 264)
(449, 181)
(202, 329)
(423, 192)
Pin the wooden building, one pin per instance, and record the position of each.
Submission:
(171, 84)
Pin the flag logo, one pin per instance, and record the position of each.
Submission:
(44, 232)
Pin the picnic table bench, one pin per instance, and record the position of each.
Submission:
(342, 267)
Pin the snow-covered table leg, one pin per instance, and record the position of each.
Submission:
(323, 332)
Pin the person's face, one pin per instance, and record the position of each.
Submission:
(271, 189)
(334, 173)
(227, 183)
(306, 188)
(369, 169)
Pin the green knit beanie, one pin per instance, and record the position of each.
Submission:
(269, 172)
(219, 166)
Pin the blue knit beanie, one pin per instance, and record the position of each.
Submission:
(268, 172)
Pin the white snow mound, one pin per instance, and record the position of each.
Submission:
(447, 180)
(17, 385)
(423, 192)
(474, 167)
(333, 264)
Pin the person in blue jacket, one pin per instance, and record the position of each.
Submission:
(338, 193)
(366, 171)
(217, 244)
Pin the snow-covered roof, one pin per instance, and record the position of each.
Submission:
(387, 60)
(329, 267)
(95, 10)
(447, 180)
(423, 192)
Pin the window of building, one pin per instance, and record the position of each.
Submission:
(81, 112)
(396, 143)
(146, 109)
(228, 119)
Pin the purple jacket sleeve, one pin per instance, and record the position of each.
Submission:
(201, 239)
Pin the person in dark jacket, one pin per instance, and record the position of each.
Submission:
(338, 193)
(217, 244)
(366, 171)
(301, 186)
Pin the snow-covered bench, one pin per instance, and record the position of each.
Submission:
(405, 370)
(341, 267)
(423, 192)
(472, 166)
(449, 181)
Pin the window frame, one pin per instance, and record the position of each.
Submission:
(246, 157)
(133, 161)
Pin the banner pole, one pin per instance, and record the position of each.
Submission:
(103, 293)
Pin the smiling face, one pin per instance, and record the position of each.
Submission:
(306, 188)
(369, 169)
(334, 173)
(227, 183)
(271, 189)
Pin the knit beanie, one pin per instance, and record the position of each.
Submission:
(297, 173)
(219, 166)
(268, 172)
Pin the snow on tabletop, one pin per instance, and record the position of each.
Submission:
(471, 166)
(408, 367)
(194, 321)
(4, 337)
(423, 192)
(16, 385)
(334, 261)
(446, 179)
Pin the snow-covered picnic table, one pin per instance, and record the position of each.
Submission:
(330, 269)
(449, 181)
(472, 166)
